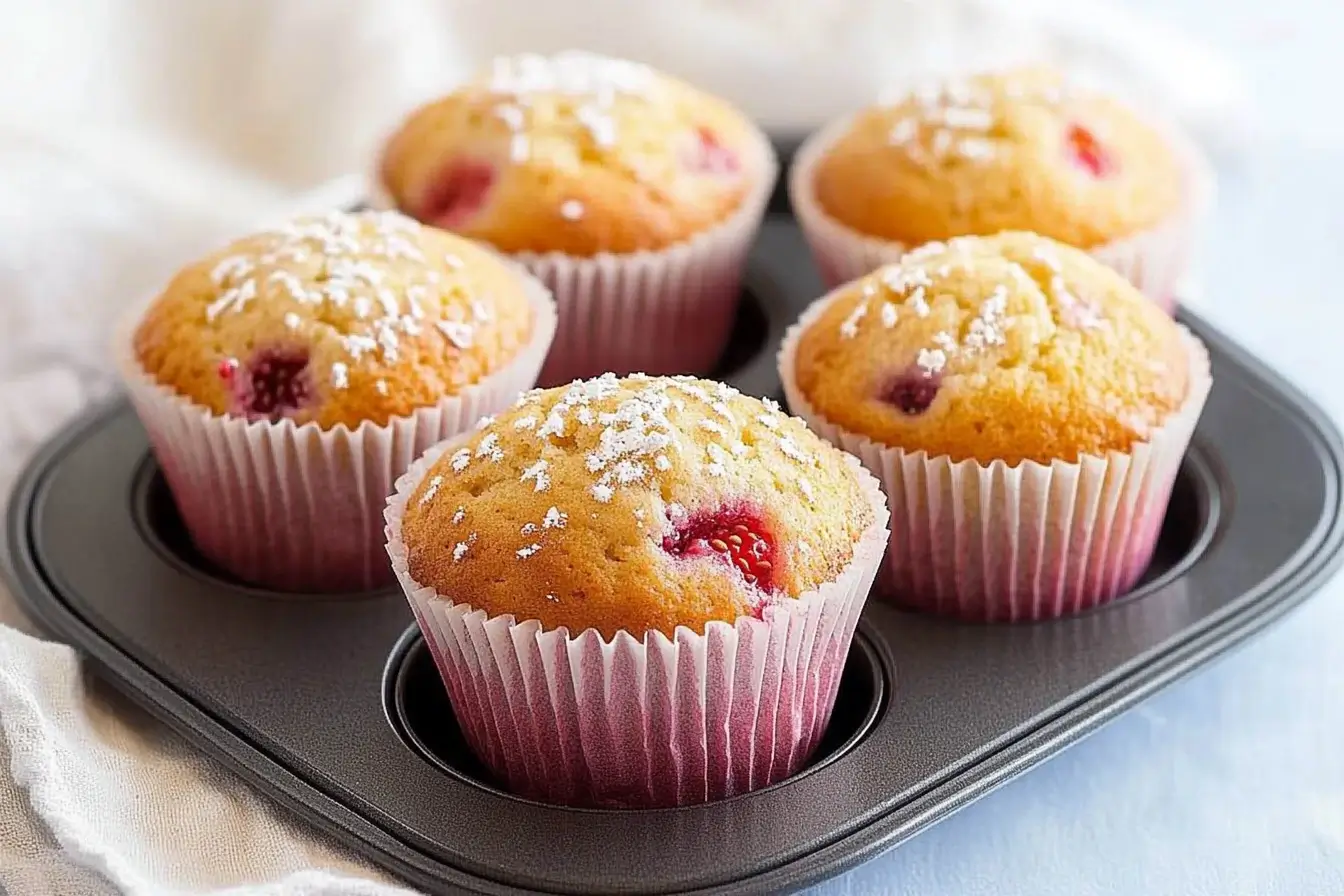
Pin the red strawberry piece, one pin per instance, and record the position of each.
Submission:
(457, 194)
(912, 390)
(274, 383)
(707, 155)
(736, 537)
(1088, 152)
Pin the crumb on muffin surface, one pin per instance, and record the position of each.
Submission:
(1012, 347)
(635, 504)
(575, 153)
(1021, 149)
(335, 319)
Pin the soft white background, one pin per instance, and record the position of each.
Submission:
(134, 133)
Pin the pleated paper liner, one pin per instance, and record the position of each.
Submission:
(993, 542)
(299, 508)
(639, 722)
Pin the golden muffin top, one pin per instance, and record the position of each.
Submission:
(635, 504)
(1012, 347)
(335, 319)
(1016, 150)
(575, 153)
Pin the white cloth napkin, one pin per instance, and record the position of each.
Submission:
(136, 133)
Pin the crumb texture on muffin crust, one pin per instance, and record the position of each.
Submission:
(1012, 347)
(335, 319)
(1021, 149)
(635, 504)
(575, 153)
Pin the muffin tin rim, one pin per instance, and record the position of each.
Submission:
(1303, 569)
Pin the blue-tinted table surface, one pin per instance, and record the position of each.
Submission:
(1231, 782)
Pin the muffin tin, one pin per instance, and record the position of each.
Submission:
(331, 704)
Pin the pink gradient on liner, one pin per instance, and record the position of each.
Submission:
(328, 543)
(642, 324)
(946, 585)
(665, 722)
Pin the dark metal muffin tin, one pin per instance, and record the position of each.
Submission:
(332, 706)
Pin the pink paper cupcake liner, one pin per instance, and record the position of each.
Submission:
(656, 312)
(658, 721)
(299, 508)
(1154, 260)
(993, 542)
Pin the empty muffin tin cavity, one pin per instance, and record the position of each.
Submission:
(418, 709)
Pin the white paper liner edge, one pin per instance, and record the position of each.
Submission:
(656, 721)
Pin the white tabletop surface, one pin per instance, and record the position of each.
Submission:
(1231, 781)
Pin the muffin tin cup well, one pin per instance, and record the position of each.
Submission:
(299, 508)
(1155, 260)
(331, 703)
(579, 719)
(999, 543)
(418, 707)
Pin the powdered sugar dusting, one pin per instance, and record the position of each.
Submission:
(431, 490)
(459, 334)
(849, 327)
(460, 549)
(987, 328)
(631, 436)
(931, 361)
(350, 253)
(889, 314)
(593, 81)
(954, 118)
(537, 474)
(946, 115)
(489, 448)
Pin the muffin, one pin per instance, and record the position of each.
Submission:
(633, 196)
(1016, 150)
(288, 379)
(640, 591)
(1026, 408)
